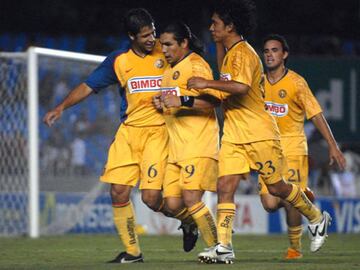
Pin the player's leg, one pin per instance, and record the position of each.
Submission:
(123, 173)
(174, 206)
(233, 167)
(296, 173)
(226, 210)
(153, 199)
(199, 175)
(125, 221)
(153, 157)
(294, 223)
(318, 222)
(269, 202)
(269, 164)
(293, 217)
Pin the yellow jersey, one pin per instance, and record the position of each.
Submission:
(289, 100)
(140, 77)
(193, 133)
(245, 117)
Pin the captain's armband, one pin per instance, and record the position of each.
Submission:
(187, 101)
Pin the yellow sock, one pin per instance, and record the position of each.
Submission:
(225, 219)
(184, 216)
(294, 234)
(205, 222)
(298, 199)
(124, 220)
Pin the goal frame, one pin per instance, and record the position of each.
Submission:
(33, 54)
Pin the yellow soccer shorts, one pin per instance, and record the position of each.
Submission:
(265, 157)
(137, 153)
(295, 171)
(192, 174)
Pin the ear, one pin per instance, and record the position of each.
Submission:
(185, 43)
(131, 36)
(286, 55)
(230, 27)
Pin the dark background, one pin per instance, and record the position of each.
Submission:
(312, 26)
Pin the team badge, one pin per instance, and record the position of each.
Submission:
(282, 93)
(176, 75)
(159, 63)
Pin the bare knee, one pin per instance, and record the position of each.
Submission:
(173, 205)
(152, 198)
(270, 202)
(226, 187)
(279, 189)
(192, 197)
(120, 193)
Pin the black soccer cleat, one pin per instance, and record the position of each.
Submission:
(190, 235)
(124, 257)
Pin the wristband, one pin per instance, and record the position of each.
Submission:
(187, 101)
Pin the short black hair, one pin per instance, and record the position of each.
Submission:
(137, 18)
(280, 38)
(181, 31)
(241, 13)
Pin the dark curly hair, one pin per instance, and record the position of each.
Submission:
(241, 13)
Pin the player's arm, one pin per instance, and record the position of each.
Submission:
(78, 94)
(232, 87)
(335, 153)
(102, 77)
(201, 102)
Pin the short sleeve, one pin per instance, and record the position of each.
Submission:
(104, 75)
(242, 68)
(201, 69)
(306, 99)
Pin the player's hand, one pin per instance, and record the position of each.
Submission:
(197, 83)
(337, 156)
(157, 102)
(171, 101)
(50, 118)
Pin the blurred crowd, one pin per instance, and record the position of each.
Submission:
(319, 45)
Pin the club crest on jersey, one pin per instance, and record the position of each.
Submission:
(159, 63)
(170, 91)
(276, 109)
(282, 93)
(176, 75)
(144, 84)
(225, 77)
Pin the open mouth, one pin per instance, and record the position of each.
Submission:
(149, 45)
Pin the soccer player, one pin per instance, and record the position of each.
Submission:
(193, 133)
(251, 137)
(289, 99)
(140, 147)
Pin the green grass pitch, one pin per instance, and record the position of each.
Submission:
(165, 252)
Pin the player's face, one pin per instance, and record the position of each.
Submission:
(274, 56)
(172, 50)
(217, 28)
(145, 39)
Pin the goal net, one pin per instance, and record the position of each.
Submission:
(49, 176)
